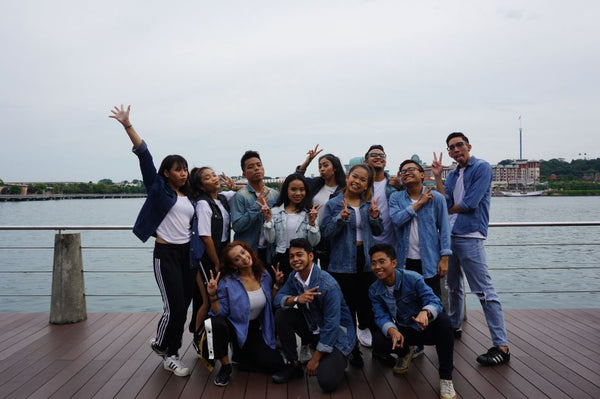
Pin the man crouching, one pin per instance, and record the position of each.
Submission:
(407, 313)
(311, 305)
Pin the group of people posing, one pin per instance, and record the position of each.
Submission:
(340, 260)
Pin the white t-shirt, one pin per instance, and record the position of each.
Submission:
(414, 251)
(322, 197)
(293, 221)
(257, 302)
(205, 214)
(459, 194)
(176, 226)
(358, 223)
(387, 237)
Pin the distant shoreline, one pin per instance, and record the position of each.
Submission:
(53, 197)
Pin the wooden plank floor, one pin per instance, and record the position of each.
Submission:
(555, 354)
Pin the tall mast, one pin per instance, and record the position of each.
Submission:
(520, 139)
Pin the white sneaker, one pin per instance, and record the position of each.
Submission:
(172, 363)
(305, 354)
(447, 389)
(365, 338)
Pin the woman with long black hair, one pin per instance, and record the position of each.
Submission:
(167, 215)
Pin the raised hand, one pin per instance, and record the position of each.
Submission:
(312, 154)
(308, 296)
(345, 213)
(312, 215)
(121, 114)
(213, 283)
(436, 165)
(264, 207)
(426, 196)
(373, 209)
(279, 276)
(227, 181)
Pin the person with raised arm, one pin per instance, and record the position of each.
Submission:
(349, 223)
(241, 313)
(311, 305)
(167, 214)
(468, 197)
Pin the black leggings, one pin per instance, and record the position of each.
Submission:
(176, 282)
(254, 356)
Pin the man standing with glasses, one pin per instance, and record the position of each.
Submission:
(468, 194)
(383, 187)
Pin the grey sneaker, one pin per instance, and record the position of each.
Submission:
(402, 363)
(365, 338)
(173, 364)
(447, 390)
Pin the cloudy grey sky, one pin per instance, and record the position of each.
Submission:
(210, 79)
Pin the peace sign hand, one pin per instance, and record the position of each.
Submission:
(228, 181)
(373, 209)
(279, 276)
(345, 213)
(211, 287)
(308, 296)
(436, 166)
(312, 154)
(426, 196)
(264, 208)
(312, 215)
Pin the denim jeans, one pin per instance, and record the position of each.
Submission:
(468, 255)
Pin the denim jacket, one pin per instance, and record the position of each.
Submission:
(434, 229)
(477, 180)
(328, 311)
(275, 231)
(246, 217)
(235, 305)
(411, 295)
(341, 235)
(160, 196)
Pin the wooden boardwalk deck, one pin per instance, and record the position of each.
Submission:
(555, 354)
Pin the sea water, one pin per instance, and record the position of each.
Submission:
(531, 267)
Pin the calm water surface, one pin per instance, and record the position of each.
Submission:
(118, 271)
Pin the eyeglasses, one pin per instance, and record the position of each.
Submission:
(408, 170)
(458, 145)
(377, 155)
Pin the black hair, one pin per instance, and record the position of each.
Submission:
(167, 164)
(247, 155)
(373, 147)
(385, 248)
(195, 179)
(284, 199)
(338, 169)
(301, 243)
(369, 191)
(411, 161)
(457, 134)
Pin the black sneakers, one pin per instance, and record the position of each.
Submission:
(289, 372)
(458, 333)
(493, 357)
(223, 375)
(355, 358)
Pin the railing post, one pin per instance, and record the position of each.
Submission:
(67, 304)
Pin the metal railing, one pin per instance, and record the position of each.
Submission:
(59, 229)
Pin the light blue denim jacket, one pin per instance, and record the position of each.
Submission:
(477, 180)
(434, 229)
(328, 311)
(246, 217)
(275, 231)
(411, 295)
(235, 305)
(342, 235)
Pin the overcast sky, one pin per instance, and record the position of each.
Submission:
(211, 79)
